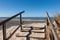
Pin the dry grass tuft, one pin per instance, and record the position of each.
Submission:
(57, 17)
(57, 22)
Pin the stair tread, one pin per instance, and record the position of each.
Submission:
(37, 35)
(22, 34)
(33, 30)
(34, 27)
(26, 28)
(42, 30)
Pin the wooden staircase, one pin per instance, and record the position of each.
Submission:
(32, 33)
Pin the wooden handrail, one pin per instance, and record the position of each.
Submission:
(52, 28)
(11, 18)
(3, 23)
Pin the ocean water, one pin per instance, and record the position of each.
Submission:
(29, 18)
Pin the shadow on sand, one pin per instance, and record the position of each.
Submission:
(27, 37)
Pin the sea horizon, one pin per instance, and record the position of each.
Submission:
(28, 18)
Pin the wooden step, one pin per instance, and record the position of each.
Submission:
(36, 31)
(22, 34)
(33, 30)
(26, 29)
(39, 31)
(34, 27)
(37, 35)
(36, 39)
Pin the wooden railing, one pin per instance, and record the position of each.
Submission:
(49, 22)
(3, 23)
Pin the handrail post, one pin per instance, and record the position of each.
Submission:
(47, 22)
(4, 31)
(21, 21)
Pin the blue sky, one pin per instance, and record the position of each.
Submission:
(33, 8)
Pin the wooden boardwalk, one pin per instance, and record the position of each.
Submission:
(30, 33)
